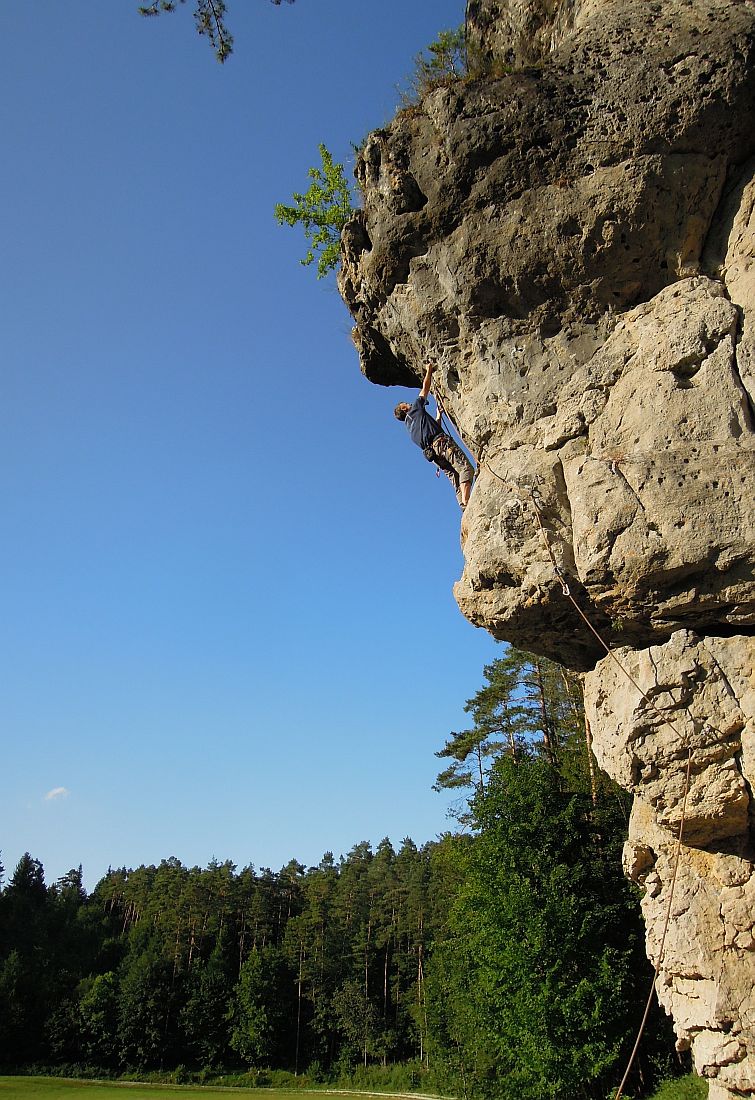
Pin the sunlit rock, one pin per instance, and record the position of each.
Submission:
(570, 236)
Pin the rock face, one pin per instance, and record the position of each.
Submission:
(570, 236)
(701, 702)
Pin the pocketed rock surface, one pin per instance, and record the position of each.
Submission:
(570, 237)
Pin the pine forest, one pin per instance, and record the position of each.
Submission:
(503, 959)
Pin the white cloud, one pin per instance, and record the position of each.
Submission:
(57, 792)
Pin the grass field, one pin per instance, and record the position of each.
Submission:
(61, 1088)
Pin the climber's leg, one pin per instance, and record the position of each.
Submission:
(463, 474)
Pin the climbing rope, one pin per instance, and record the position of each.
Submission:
(567, 592)
(664, 718)
(532, 500)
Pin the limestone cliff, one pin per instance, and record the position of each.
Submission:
(572, 241)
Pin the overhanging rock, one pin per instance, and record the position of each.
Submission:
(573, 243)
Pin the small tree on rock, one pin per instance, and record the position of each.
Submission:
(322, 211)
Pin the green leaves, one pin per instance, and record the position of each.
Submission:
(253, 1013)
(322, 212)
(532, 966)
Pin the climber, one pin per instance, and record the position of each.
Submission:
(437, 445)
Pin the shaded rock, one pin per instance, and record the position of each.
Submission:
(689, 705)
(701, 697)
(730, 253)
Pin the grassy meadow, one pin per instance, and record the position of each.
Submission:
(60, 1088)
(63, 1088)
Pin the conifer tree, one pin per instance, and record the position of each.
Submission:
(501, 723)
(209, 19)
(526, 702)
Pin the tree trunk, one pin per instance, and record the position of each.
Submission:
(548, 744)
(591, 763)
(298, 1008)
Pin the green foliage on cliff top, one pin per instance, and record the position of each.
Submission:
(443, 61)
(449, 58)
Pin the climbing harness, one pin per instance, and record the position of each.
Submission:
(438, 459)
(531, 498)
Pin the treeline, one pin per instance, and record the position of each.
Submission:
(210, 967)
(505, 959)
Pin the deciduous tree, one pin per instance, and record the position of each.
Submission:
(534, 988)
(322, 212)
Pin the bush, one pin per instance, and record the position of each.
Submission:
(401, 1077)
(444, 61)
(683, 1088)
(284, 1079)
(448, 59)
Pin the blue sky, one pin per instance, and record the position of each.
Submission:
(226, 621)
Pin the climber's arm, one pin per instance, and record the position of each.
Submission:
(427, 381)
